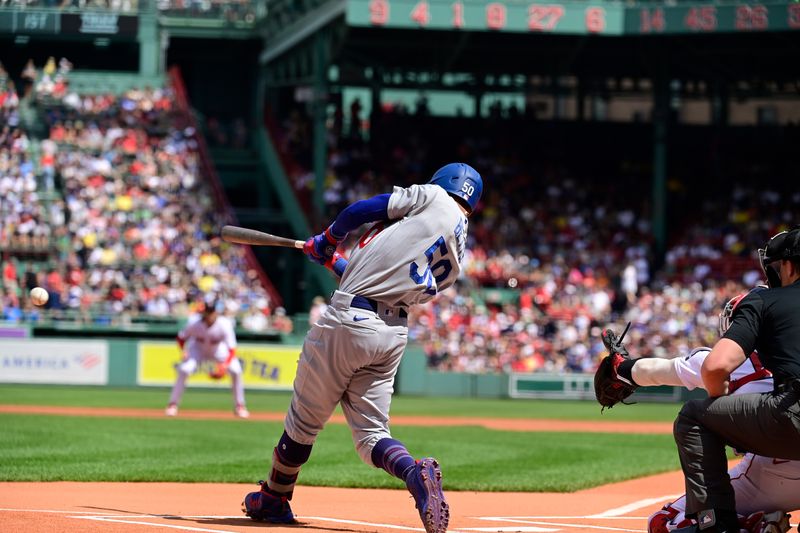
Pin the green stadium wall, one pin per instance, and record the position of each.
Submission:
(124, 355)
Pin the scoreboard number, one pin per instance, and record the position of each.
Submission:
(421, 14)
(544, 18)
(495, 16)
(378, 12)
(701, 18)
(595, 19)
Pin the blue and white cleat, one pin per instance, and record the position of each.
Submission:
(263, 506)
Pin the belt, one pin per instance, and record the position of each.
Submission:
(369, 304)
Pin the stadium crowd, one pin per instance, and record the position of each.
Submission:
(555, 252)
(571, 253)
(134, 229)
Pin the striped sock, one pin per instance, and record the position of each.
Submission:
(392, 456)
(287, 458)
(282, 476)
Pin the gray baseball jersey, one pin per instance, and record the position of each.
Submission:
(351, 354)
(418, 253)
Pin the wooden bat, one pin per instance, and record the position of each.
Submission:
(239, 235)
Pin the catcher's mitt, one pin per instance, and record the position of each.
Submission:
(609, 387)
(218, 372)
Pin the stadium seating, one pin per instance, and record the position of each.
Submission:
(134, 226)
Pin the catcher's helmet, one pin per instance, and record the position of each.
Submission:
(784, 245)
(460, 181)
(725, 317)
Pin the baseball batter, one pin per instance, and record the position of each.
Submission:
(765, 488)
(209, 337)
(351, 355)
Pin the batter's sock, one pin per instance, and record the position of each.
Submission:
(392, 456)
(625, 370)
(287, 458)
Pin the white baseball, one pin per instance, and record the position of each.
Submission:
(39, 296)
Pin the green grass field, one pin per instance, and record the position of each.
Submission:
(261, 401)
(128, 449)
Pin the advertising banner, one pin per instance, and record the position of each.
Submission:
(266, 366)
(57, 361)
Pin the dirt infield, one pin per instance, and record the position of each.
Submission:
(204, 507)
(507, 424)
(145, 507)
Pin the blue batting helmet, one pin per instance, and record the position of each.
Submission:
(462, 181)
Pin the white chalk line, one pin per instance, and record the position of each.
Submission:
(634, 506)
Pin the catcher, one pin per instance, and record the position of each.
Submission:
(209, 337)
(765, 488)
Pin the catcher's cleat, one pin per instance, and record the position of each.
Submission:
(775, 522)
(241, 411)
(263, 506)
(660, 521)
(171, 410)
(425, 485)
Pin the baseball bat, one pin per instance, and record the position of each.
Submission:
(239, 235)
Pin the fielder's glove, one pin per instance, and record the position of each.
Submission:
(320, 248)
(609, 387)
(219, 371)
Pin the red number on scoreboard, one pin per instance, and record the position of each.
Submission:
(544, 18)
(495, 16)
(752, 17)
(652, 22)
(794, 16)
(421, 14)
(379, 12)
(701, 18)
(595, 19)
(458, 15)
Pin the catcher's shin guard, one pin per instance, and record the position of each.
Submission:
(264, 506)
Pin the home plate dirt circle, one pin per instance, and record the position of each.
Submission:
(153, 507)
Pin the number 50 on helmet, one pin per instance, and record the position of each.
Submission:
(460, 181)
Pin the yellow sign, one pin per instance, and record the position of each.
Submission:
(265, 366)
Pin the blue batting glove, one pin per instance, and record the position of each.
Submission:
(320, 248)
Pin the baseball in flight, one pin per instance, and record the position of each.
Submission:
(39, 296)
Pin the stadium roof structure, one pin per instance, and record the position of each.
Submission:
(690, 40)
(718, 50)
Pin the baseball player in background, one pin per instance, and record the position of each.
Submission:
(209, 337)
(351, 354)
(766, 488)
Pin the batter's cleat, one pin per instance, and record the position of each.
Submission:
(263, 506)
(425, 484)
(171, 410)
(241, 411)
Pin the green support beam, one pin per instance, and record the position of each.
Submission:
(661, 117)
(321, 64)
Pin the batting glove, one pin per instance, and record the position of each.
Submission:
(320, 248)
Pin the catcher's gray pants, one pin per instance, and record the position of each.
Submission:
(765, 424)
(350, 356)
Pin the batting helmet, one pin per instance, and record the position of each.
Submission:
(460, 181)
(784, 245)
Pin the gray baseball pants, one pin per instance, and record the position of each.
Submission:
(350, 357)
(764, 424)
